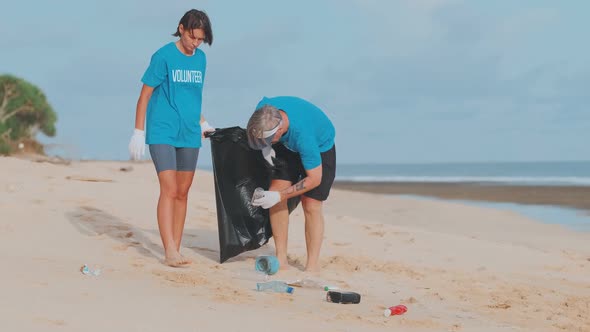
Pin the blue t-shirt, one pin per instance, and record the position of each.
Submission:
(310, 131)
(174, 110)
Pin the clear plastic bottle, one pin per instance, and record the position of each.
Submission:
(275, 286)
(258, 193)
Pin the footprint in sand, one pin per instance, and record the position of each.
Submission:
(138, 263)
(296, 261)
(343, 284)
(53, 322)
(378, 233)
(341, 244)
(436, 295)
(181, 279)
(202, 249)
(456, 328)
(125, 246)
(410, 300)
(95, 222)
(234, 296)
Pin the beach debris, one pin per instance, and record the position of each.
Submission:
(305, 283)
(331, 288)
(275, 286)
(87, 179)
(86, 270)
(343, 297)
(56, 160)
(502, 305)
(395, 310)
(268, 265)
(126, 169)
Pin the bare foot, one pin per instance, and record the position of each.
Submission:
(175, 259)
(312, 270)
(283, 265)
(186, 259)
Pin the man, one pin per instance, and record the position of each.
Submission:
(301, 139)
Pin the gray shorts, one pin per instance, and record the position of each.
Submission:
(167, 157)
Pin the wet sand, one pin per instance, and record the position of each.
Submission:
(577, 197)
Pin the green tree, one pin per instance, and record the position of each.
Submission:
(24, 111)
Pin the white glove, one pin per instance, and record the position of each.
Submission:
(205, 127)
(268, 153)
(137, 144)
(269, 199)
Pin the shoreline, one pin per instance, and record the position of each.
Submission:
(576, 197)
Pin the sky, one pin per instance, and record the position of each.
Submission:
(403, 81)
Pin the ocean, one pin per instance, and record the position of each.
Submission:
(515, 173)
(569, 173)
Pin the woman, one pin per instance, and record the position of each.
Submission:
(171, 98)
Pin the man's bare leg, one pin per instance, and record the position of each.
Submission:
(279, 221)
(314, 232)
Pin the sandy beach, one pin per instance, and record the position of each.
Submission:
(456, 267)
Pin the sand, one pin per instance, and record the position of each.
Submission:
(456, 267)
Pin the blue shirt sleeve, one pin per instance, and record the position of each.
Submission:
(157, 71)
(309, 152)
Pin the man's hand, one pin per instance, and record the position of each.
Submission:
(205, 128)
(137, 144)
(269, 199)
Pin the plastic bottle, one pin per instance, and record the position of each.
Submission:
(274, 286)
(395, 310)
(268, 265)
(258, 193)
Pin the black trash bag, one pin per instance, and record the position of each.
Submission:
(238, 170)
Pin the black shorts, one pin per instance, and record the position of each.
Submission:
(289, 168)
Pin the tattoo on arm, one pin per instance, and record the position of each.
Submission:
(295, 188)
(300, 185)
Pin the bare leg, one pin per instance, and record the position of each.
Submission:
(168, 194)
(183, 184)
(279, 221)
(314, 232)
